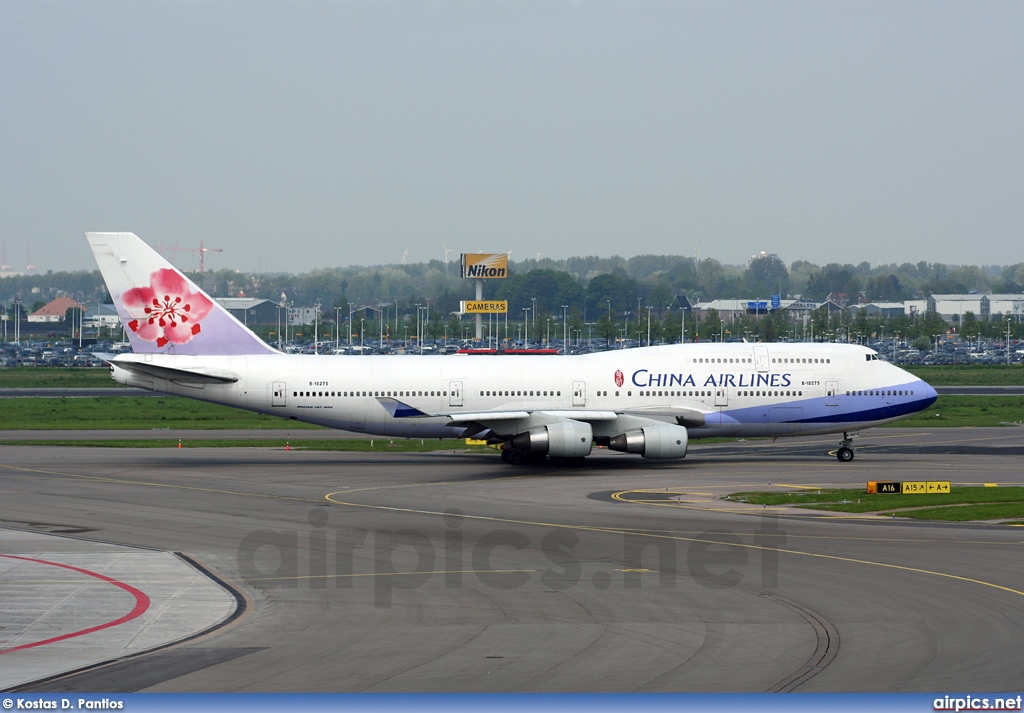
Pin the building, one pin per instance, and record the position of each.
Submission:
(730, 309)
(984, 306)
(880, 309)
(303, 316)
(103, 315)
(912, 308)
(1005, 306)
(954, 307)
(251, 310)
(55, 310)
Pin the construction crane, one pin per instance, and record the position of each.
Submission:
(202, 250)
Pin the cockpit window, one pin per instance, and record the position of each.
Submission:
(870, 357)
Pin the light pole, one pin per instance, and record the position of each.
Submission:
(337, 329)
(316, 327)
(526, 328)
(606, 341)
(361, 321)
(419, 336)
(565, 325)
(648, 326)
(534, 300)
(1008, 341)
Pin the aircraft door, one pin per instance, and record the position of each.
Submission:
(831, 393)
(278, 394)
(579, 393)
(721, 396)
(761, 359)
(455, 393)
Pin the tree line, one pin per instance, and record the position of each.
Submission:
(606, 297)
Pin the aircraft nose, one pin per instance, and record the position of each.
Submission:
(930, 394)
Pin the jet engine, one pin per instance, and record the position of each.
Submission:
(565, 439)
(663, 441)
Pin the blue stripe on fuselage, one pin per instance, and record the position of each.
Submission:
(850, 409)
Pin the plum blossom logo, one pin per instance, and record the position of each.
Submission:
(619, 378)
(167, 311)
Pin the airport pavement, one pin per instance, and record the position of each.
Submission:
(68, 604)
(455, 572)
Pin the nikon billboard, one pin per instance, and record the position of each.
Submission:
(484, 266)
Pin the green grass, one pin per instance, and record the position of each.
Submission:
(993, 511)
(374, 445)
(130, 412)
(34, 377)
(970, 374)
(967, 411)
(964, 503)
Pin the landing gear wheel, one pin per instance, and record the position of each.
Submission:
(516, 457)
(844, 454)
(505, 456)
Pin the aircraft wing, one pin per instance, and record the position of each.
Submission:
(683, 416)
(399, 409)
(692, 418)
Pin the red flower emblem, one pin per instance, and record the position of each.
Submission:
(167, 311)
(619, 378)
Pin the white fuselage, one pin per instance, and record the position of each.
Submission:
(711, 389)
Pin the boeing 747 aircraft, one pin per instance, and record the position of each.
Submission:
(649, 401)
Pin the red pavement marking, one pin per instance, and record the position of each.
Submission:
(141, 604)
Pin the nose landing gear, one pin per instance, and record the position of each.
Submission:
(845, 453)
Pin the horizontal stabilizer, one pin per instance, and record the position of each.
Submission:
(180, 376)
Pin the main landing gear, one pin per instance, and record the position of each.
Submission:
(845, 453)
(515, 456)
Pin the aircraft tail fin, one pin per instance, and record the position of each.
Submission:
(164, 312)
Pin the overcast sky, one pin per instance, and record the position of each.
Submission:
(303, 134)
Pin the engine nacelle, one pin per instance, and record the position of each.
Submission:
(662, 442)
(565, 439)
